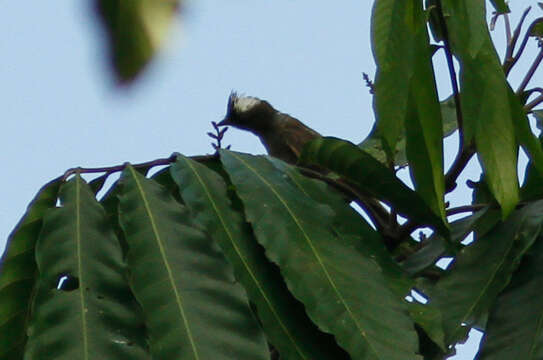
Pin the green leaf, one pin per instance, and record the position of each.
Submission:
(485, 99)
(533, 183)
(348, 223)
(525, 136)
(194, 308)
(428, 317)
(406, 101)
(374, 146)
(536, 29)
(283, 318)
(423, 124)
(18, 273)
(325, 271)
(392, 40)
(436, 246)
(500, 6)
(83, 308)
(483, 269)
(514, 326)
(360, 168)
(136, 30)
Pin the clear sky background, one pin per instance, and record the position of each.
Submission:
(60, 108)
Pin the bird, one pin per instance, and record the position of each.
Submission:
(282, 135)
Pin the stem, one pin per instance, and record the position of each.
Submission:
(111, 169)
(466, 208)
(532, 104)
(452, 71)
(463, 155)
(531, 72)
(377, 213)
(507, 28)
(510, 60)
(462, 158)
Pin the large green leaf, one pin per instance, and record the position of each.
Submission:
(514, 326)
(392, 45)
(348, 223)
(136, 30)
(486, 107)
(343, 289)
(83, 308)
(406, 101)
(194, 308)
(360, 168)
(428, 317)
(284, 320)
(18, 273)
(483, 269)
(423, 124)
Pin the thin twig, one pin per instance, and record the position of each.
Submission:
(509, 60)
(461, 160)
(452, 71)
(377, 213)
(507, 28)
(466, 208)
(463, 154)
(532, 104)
(530, 72)
(521, 48)
(112, 169)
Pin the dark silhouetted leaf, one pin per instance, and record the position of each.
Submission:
(83, 308)
(283, 318)
(486, 107)
(194, 308)
(483, 269)
(514, 326)
(342, 289)
(18, 273)
(347, 160)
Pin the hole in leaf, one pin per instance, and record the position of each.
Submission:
(468, 239)
(419, 297)
(444, 262)
(67, 283)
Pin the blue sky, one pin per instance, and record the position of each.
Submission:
(60, 108)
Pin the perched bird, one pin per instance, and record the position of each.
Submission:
(282, 135)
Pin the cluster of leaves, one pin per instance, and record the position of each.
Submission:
(235, 256)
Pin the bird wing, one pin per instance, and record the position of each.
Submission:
(296, 135)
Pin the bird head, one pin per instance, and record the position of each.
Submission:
(249, 113)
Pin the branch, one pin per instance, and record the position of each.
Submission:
(532, 104)
(510, 60)
(377, 213)
(460, 162)
(530, 72)
(464, 154)
(507, 28)
(466, 208)
(111, 169)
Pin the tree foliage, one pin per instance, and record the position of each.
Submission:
(236, 256)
